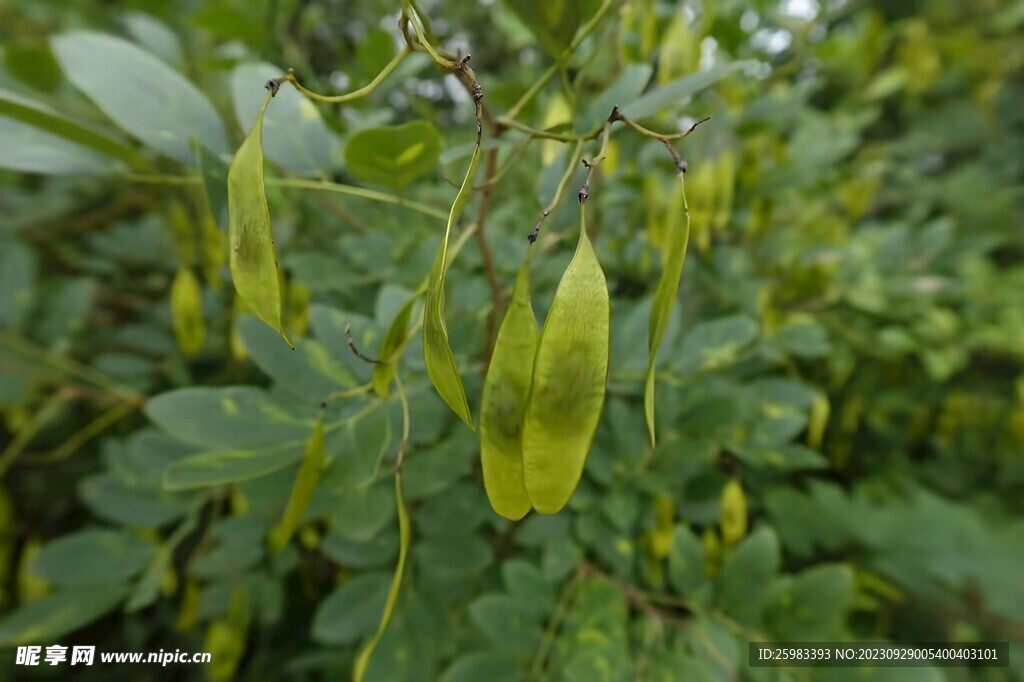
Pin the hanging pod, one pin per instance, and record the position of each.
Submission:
(187, 312)
(302, 490)
(664, 298)
(506, 391)
(253, 258)
(437, 353)
(570, 374)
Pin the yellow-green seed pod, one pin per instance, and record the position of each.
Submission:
(570, 375)
(733, 513)
(674, 256)
(253, 257)
(213, 252)
(187, 312)
(226, 638)
(391, 349)
(437, 353)
(506, 391)
(302, 490)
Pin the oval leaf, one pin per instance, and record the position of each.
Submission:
(394, 156)
(140, 93)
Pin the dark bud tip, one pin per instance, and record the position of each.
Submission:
(616, 115)
(682, 166)
(465, 60)
(273, 85)
(583, 195)
(532, 238)
(323, 404)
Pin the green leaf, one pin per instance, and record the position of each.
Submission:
(686, 563)
(493, 666)
(747, 574)
(85, 139)
(28, 149)
(309, 372)
(394, 156)
(437, 352)
(360, 449)
(111, 499)
(228, 417)
(554, 22)
(302, 491)
(508, 622)
(677, 91)
(665, 298)
(352, 611)
(360, 514)
(294, 134)
(795, 610)
(140, 93)
(221, 467)
(715, 344)
(253, 256)
(50, 618)
(93, 557)
(372, 553)
(525, 582)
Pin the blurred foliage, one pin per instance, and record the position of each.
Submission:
(840, 400)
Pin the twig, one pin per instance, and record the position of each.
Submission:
(569, 169)
(355, 351)
(348, 96)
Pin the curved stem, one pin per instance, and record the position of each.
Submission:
(351, 190)
(355, 94)
(570, 167)
(553, 70)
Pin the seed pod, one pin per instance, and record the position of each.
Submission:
(664, 299)
(390, 350)
(253, 257)
(570, 374)
(506, 391)
(302, 490)
(213, 251)
(187, 312)
(437, 353)
(733, 514)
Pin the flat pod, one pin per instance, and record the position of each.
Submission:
(187, 312)
(253, 257)
(302, 490)
(664, 298)
(437, 353)
(570, 375)
(506, 391)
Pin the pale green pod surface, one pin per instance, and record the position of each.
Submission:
(664, 298)
(437, 353)
(302, 490)
(394, 342)
(506, 390)
(187, 312)
(570, 374)
(253, 258)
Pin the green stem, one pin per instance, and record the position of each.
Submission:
(351, 190)
(30, 429)
(355, 94)
(570, 168)
(553, 70)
